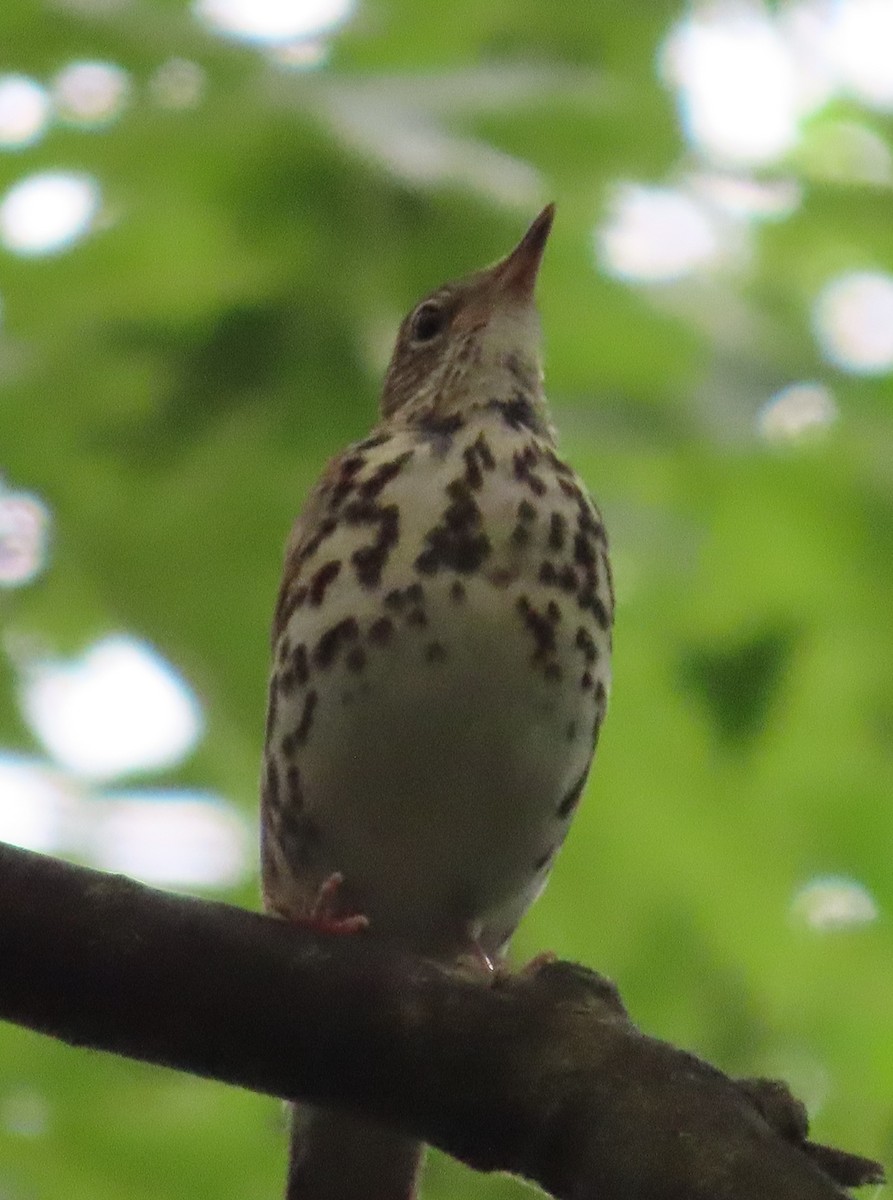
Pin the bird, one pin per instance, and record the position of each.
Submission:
(440, 671)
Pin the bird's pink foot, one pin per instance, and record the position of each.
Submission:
(327, 914)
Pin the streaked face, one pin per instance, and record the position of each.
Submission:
(485, 324)
(460, 327)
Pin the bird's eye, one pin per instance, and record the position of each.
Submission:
(428, 320)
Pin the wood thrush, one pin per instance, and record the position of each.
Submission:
(441, 663)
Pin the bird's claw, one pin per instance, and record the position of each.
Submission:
(324, 915)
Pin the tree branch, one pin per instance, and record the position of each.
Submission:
(542, 1074)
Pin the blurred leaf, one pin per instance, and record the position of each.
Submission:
(738, 684)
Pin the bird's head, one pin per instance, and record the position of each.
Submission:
(474, 340)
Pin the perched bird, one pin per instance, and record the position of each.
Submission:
(441, 663)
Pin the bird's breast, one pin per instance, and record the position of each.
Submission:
(440, 676)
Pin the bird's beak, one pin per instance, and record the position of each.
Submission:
(515, 276)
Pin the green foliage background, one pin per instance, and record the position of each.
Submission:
(172, 385)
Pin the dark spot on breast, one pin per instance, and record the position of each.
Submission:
(339, 493)
(523, 462)
(352, 464)
(457, 591)
(518, 413)
(601, 699)
(300, 664)
(375, 439)
(389, 526)
(463, 509)
(321, 580)
(440, 430)
(540, 628)
(395, 600)
(458, 541)
(431, 422)
(435, 652)
(369, 563)
(283, 649)
(361, 512)
(415, 594)
(567, 579)
(584, 555)
(587, 518)
(345, 481)
(585, 643)
(298, 596)
(559, 464)
(369, 560)
(474, 476)
(333, 639)
(478, 458)
(417, 619)
(589, 599)
(586, 681)
(526, 516)
(381, 631)
(572, 490)
(356, 659)
(485, 455)
(557, 531)
(372, 487)
(548, 574)
(466, 553)
(325, 530)
(306, 723)
(572, 798)
(553, 612)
